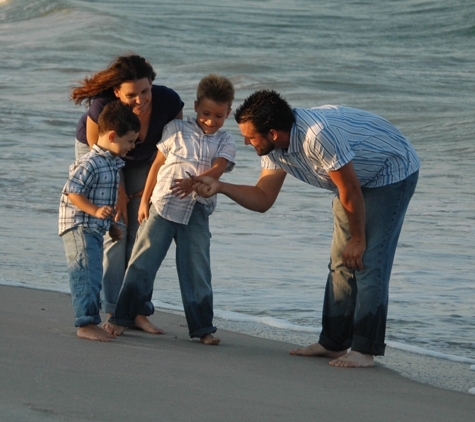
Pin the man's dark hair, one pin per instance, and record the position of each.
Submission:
(266, 110)
(118, 117)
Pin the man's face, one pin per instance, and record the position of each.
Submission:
(262, 144)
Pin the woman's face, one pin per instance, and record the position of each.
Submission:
(136, 94)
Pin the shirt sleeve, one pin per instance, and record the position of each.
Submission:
(81, 178)
(227, 150)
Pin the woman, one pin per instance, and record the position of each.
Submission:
(128, 79)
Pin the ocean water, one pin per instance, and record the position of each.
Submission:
(411, 61)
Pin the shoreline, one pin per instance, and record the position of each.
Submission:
(49, 374)
(437, 372)
(430, 370)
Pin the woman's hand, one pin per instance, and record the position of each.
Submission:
(121, 206)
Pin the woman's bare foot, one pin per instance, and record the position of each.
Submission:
(142, 323)
(354, 360)
(115, 330)
(93, 332)
(210, 340)
(317, 349)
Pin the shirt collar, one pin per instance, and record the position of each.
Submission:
(108, 155)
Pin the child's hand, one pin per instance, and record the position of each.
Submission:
(144, 211)
(182, 187)
(115, 232)
(104, 212)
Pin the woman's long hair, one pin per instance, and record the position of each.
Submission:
(124, 68)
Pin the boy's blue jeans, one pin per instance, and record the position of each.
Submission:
(84, 256)
(356, 302)
(193, 265)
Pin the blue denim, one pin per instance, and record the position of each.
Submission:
(356, 302)
(117, 254)
(81, 149)
(193, 266)
(84, 256)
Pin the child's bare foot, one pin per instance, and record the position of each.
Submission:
(317, 349)
(142, 323)
(210, 340)
(115, 330)
(354, 360)
(93, 332)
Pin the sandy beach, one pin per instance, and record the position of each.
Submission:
(48, 374)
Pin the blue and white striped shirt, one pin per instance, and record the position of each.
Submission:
(187, 148)
(325, 138)
(96, 176)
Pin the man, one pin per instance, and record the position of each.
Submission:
(373, 170)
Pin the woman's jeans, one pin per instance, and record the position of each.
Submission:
(356, 302)
(84, 256)
(193, 265)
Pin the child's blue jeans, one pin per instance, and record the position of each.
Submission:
(84, 256)
(193, 265)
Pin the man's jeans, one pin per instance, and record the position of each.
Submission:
(193, 265)
(84, 256)
(356, 302)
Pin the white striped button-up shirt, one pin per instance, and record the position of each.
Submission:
(187, 148)
(324, 139)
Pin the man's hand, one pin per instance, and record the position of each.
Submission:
(206, 186)
(352, 255)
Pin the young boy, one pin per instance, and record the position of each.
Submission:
(193, 147)
(86, 210)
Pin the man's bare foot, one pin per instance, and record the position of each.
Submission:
(93, 332)
(115, 330)
(317, 349)
(210, 340)
(354, 360)
(142, 323)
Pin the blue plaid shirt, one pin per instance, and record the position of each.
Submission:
(187, 148)
(96, 176)
(324, 139)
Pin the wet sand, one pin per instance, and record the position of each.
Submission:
(49, 374)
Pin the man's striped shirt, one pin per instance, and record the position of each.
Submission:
(324, 139)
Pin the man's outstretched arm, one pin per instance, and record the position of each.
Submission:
(255, 198)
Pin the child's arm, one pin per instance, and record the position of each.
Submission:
(83, 203)
(150, 186)
(183, 187)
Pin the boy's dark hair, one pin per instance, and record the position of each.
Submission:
(266, 110)
(216, 88)
(118, 117)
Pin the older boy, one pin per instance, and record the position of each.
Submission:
(86, 210)
(196, 146)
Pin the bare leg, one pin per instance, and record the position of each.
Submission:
(317, 349)
(210, 340)
(115, 330)
(93, 332)
(354, 360)
(142, 323)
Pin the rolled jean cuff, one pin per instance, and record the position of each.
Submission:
(122, 322)
(334, 347)
(367, 347)
(202, 332)
(86, 320)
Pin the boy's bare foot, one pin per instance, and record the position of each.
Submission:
(354, 360)
(210, 340)
(93, 332)
(142, 323)
(115, 330)
(317, 349)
